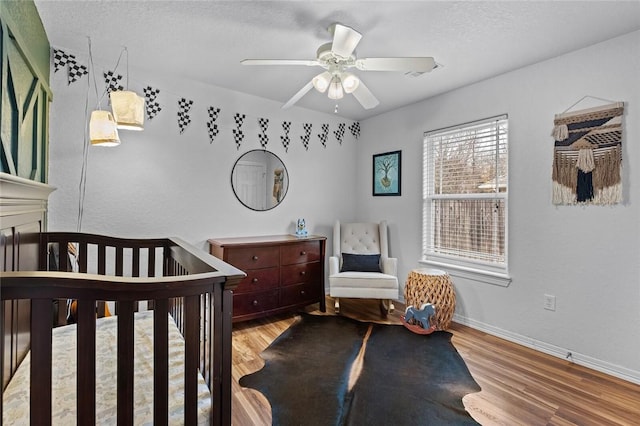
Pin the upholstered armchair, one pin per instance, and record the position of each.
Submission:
(360, 266)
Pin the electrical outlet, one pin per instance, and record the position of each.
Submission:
(549, 302)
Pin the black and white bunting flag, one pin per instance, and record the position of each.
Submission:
(339, 133)
(184, 106)
(264, 139)
(150, 96)
(355, 129)
(60, 59)
(76, 71)
(286, 126)
(238, 135)
(212, 127)
(323, 136)
(307, 135)
(112, 80)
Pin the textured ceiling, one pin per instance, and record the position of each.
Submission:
(206, 40)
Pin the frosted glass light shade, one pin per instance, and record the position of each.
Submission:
(335, 89)
(128, 110)
(350, 82)
(103, 129)
(321, 81)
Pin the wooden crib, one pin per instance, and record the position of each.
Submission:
(166, 275)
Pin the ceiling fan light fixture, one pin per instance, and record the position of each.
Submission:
(335, 88)
(322, 81)
(349, 82)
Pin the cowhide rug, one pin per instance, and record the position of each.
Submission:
(327, 370)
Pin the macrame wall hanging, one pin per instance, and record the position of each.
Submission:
(587, 158)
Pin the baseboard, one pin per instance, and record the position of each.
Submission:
(559, 352)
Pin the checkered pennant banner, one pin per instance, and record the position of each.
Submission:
(286, 126)
(264, 139)
(355, 129)
(307, 135)
(76, 71)
(60, 59)
(150, 96)
(184, 106)
(339, 133)
(112, 80)
(238, 135)
(323, 136)
(212, 127)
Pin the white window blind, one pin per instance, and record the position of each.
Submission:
(465, 180)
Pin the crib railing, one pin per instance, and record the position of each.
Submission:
(170, 276)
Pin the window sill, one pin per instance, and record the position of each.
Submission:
(483, 276)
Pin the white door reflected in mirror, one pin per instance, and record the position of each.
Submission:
(259, 180)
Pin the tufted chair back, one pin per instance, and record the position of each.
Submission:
(360, 238)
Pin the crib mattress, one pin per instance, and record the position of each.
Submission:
(16, 395)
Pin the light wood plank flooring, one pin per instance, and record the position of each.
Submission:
(520, 386)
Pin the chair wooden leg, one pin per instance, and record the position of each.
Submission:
(386, 307)
(336, 305)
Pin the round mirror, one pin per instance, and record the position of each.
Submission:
(259, 179)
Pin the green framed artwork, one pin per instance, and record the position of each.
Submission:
(387, 173)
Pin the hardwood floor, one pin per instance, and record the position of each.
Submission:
(520, 386)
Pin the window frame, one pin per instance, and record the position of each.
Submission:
(484, 271)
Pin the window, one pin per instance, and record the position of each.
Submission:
(465, 196)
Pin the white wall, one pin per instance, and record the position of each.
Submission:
(159, 182)
(588, 257)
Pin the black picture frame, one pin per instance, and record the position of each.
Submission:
(387, 174)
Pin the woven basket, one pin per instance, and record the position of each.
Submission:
(435, 287)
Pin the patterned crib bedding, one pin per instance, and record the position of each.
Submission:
(16, 395)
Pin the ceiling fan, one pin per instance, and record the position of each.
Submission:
(337, 57)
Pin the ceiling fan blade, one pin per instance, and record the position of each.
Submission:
(295, 98)
(424, 64)
(365, 97)
(345, 40)
(309, 63)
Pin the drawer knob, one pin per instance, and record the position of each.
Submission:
(254, 280)
(255, 257)
(303, 272)
(255, 303)
(302, 292)
(303, 253)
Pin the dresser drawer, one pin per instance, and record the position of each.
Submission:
(300, 273)
(302, 252)
(259, 280)
(305, 293)
(253, 257)
(250, 303)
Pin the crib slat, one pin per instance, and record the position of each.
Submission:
(102, 259)
(125, 363)
(160, 363)
(221, 313)
(41, 313)
(119, 261)
(86, 353)
(225, 392)
(192, 355)
(63, 257)
(151, 272)
(135, 267)
(82, 257)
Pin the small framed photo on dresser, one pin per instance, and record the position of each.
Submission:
(387, 173)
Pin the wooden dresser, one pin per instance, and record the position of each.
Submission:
(283, 273)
